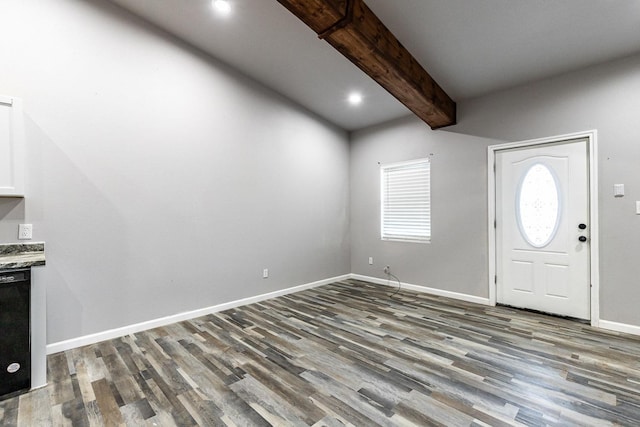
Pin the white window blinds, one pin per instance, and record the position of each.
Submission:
(406, 201)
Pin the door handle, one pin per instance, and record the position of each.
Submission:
(582, 238)
(582, 226)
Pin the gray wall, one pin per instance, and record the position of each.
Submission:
(603, 98)
(161, 180)
(458, 200)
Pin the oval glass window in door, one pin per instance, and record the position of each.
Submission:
(538, 206)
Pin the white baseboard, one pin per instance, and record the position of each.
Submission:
(425, 289)
(163, 321)
(179, 317)
(619, 327)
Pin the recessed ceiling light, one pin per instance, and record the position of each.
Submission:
(223, 7)
(354, 98)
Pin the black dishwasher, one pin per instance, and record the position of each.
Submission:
(15, 351)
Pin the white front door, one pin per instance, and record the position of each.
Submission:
(542, 228)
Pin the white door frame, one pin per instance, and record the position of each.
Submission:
(592, 144)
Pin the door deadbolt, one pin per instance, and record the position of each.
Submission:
(582, 226)
(582, 238)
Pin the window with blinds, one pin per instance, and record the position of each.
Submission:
(406, 201)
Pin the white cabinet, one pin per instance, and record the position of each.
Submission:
(11, 147)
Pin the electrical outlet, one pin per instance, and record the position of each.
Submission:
(25, 231)
(265, 273)
(370, 260)
(387, 270)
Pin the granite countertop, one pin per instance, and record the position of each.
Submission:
(21, 255)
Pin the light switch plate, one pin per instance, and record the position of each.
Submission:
(618, 190)
(637, 207)
(25, 231)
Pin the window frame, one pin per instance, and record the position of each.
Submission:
(417, 235)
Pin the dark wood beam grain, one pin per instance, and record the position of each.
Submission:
(356, 32)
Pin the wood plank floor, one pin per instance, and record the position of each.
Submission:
(345, 354)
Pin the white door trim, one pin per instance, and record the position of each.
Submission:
(592, 143)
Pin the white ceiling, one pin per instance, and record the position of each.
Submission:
(470, 47)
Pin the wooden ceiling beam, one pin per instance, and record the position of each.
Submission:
(356, 32)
